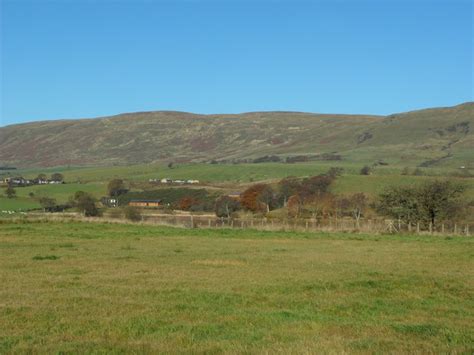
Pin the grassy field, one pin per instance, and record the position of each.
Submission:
(217, 172)
(94, 180)
(79, 287)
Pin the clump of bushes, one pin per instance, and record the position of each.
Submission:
(132, 214)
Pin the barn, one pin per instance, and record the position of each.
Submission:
(145, 203)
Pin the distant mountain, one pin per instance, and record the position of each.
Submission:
(431, 137)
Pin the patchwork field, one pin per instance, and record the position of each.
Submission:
(80, 287)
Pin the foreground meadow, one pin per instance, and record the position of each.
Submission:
(80, 287)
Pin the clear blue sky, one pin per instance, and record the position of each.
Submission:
(71, 59)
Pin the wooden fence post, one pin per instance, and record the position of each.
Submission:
(455, 228)
(418, 227)
(467, 230)
(431, 228)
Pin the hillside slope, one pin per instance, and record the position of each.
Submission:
(427, 137)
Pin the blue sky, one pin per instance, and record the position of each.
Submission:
(72, 59)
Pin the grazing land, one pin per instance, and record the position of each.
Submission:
(87, 287)
(221, 176)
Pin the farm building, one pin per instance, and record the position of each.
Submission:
(145, 203)
(109, 201)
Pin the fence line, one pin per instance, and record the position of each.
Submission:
(298, 225)
(332, 224)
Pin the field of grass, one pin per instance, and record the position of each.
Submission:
(61, 193)
(79, 287)
(95, 179)
(216, 172)
(17, 204)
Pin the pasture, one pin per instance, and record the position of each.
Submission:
(87, 287)
(230, 176)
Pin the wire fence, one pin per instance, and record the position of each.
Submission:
(331, 224)
(370, 226)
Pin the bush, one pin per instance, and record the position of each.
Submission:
(366, 170)
(132, 214)
(86, 204)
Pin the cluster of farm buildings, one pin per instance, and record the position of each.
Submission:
(20, 181)
(177, 181)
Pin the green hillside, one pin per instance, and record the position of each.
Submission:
(432, 137)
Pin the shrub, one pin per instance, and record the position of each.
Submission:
(86, 204)
(366, 170)
(132, 213)
(10, 192)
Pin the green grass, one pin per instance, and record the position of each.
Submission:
(17, 204)
(62, 192)
(219, 172)
(79, 287)
(94, 180)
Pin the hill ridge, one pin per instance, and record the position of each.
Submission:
(441, 135)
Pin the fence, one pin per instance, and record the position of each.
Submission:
(300, 225)
(340, 224)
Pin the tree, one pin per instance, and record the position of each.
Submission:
(358, 204)
(47, 203)
(187, 202)
(226, 205)
(258, 198)
(57, 177)
(287, 187)
(320, 206)
(294, 206)
(86, 204)
(170, 165)
(267, 197)
(429, 203)
(116, 187)
(315, 186)
(42, 177)
(78, 195)
(440, 200)
(132, 214)
(10, 192)
(401, 203)
(334, 172)
(366, 170)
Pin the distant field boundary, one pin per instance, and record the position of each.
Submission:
(369, 226)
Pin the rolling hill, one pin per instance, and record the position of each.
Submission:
(430, 137)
